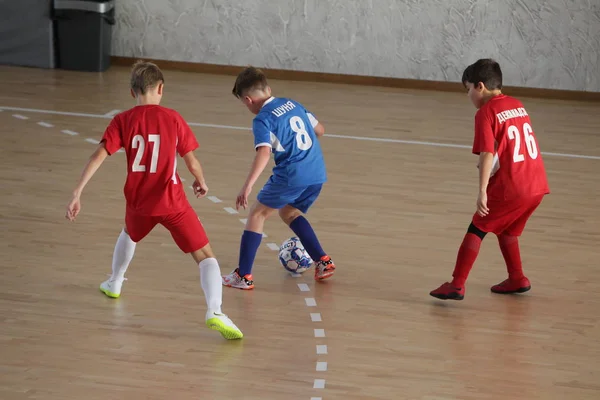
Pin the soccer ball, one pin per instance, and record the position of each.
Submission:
(294, 257)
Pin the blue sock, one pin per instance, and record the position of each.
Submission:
(248, 247)
(307, 236)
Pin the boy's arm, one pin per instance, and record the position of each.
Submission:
(261, 159)
(486, 161)
(193, 165)
(95, 161)
(317, 126)
(319, 130)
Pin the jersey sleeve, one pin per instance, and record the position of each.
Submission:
(262, 133)
(311, 117)
(186, 140)
(112, 138)
(484, 140)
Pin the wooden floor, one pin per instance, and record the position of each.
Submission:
(392, 216)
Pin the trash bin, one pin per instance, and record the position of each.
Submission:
(84, 34)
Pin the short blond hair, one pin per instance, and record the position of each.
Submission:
(145, 75)
(249, 79)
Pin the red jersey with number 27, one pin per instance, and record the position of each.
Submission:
(503, 128)
(152, 136)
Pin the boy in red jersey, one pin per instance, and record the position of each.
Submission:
(512, 179)
(152, 136)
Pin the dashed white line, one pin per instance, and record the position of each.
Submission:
(316, 398)
(321, 366)
(68, 132)
(45, 124)
(310, 302)
(214, 199)
(315, 317)
(303, 287)
(273, 246)
(319, 332)
(319, 384)
(230, 210)
(321, 349)
(93, 141)
(19, 116)
(243, 220)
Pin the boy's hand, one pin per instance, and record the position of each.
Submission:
(482, 208)
(73, 208)
(242, 198)
(200, 188)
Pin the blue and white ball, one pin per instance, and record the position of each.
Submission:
(294, 257)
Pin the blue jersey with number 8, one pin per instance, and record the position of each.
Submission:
(288, 128)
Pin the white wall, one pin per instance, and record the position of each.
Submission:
(540, 43)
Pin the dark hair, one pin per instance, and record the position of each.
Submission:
(144, 76)
(249, 79)
(484, 70)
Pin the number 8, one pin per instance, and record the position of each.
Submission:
(303, 139)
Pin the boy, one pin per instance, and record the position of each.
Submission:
(152, 135)
(512, 179)
(287, 129)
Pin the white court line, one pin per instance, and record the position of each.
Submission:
(19, 116)
(230, 210)
(303, 287)
(214, 199)
(45, 124)
(321, 366)
(93, 141)
(264, 235)
(273, 246)
(112, 113)
(243, 220)
(315, 317)
(370, 139)
(321, 349)
(319, 384)
(68, 132)
(319, 332)
(295, 275)
(316, 398)
(310, 302)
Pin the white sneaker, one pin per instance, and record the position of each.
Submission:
(112, 287)
(234, 280)
(221, 322)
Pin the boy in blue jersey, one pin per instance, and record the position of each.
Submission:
(285, 128)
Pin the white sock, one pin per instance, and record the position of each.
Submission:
(212, 284)
(124, 250)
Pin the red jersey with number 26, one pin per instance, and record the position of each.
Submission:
(152, 136)
(503, 128)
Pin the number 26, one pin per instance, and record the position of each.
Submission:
(514, 134)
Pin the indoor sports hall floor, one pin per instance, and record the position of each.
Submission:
(401, 192)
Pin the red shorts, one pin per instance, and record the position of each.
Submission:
(185, 227)
(507, 217)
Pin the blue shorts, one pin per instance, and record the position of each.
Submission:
(276, 195)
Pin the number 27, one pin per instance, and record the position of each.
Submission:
(139, 143)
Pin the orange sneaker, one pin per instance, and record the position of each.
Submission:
(324, 268)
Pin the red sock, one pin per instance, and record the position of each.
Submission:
(509, 245)
(467, 254)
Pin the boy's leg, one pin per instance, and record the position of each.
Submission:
(189, 235)
(467, 254)
(136, 228)
(508, 241)
(241, 277)
(291, 214)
